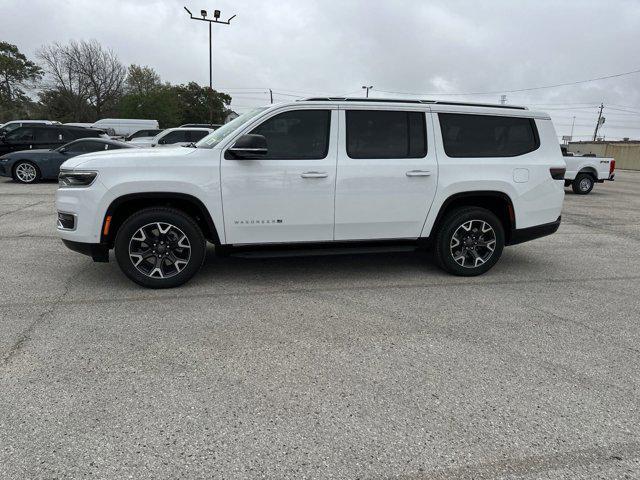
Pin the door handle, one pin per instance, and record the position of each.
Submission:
(314, 175)
(418, 173)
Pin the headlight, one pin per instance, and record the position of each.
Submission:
(68, 178)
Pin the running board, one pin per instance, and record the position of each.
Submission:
(319, 249)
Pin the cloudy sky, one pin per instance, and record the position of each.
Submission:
(418, 49)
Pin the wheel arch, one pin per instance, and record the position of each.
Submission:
(495, 201)
(124, 206)
(589, 170)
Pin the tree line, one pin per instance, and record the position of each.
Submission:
(82, 81)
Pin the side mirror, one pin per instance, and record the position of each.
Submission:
(63, 151)
(249, 147)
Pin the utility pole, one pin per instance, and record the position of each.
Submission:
(367, 89)
(572, 125)
(503, 99)
(216, 19)
(600, 122)
(271, 95)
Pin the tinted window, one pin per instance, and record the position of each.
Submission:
(175, 137)
(47, 135)
(487, 136)
(299, 134)
(386, 134)
(85, 147)
(21, 135)
(196, 135)
(81, 133)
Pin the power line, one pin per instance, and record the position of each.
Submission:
(529, 89)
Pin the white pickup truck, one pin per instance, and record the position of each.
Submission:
(583, 171)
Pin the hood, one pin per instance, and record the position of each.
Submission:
(33, 152)
(128, 156)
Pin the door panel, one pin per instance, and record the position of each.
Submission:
(290, 199)
(384, 198)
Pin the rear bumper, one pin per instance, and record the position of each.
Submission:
(97, 251)
(531, 233)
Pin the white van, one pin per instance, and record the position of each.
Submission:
(123, 127)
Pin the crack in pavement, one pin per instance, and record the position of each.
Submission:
(535, 464)
(26, 334)
(22, 208)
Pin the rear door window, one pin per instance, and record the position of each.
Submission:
(197, 135)
(175, 137)
(466, 135)
(386, 134)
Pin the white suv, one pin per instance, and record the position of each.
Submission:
(464, 179)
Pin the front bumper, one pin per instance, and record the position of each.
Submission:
(97, 251)
(5, 170)
(531, 233)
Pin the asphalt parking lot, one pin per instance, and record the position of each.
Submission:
(358, 366)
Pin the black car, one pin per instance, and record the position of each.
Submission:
(144, 133)
(43, 136)
(29, 166)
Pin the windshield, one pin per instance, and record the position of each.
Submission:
(221, 133)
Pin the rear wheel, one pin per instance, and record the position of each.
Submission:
(582, 184)
(469, 242)
(160, 248)
(25, 172)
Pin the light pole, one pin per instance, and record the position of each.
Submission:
(367, 89)
(216, 19)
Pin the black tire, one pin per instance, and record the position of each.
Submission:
(583, 184)
(477, 244)
(162, 258)
(21, 170)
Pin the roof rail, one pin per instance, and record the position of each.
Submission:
(405, 100)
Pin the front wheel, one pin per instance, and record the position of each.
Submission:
(25, 172)
(469, 242)
(160, 247)
(583, 184)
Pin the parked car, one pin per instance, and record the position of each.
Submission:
(212, 126)
(146, 134)
(29, 166)
(583, 171)
(13, 124)
(123, 127)
(463, 179)
(174, 137)
(43, 136)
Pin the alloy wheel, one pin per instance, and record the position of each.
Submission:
(473, 243)
(585, 184)
(159, 250)
(26, 173)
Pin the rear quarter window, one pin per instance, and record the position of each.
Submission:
(466, 135)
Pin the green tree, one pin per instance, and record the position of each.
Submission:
(16, 74)
(142, 80)
(160, 104)
(201, 104)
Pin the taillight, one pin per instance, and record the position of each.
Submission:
(612, 166)
(557, 173)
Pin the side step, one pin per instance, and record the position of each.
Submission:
(320, 249)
